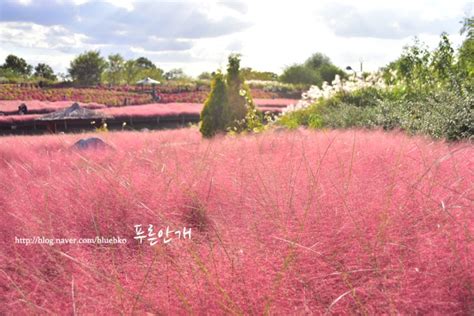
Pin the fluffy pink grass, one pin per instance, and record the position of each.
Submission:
(280, 103)
(158, 109)
(155, 109)
(43, 106)
(9, 119)
(167, 109)
(340, 222)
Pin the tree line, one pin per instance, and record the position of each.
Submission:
(90, 68)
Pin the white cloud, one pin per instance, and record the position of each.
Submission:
(31, 35)
(278, 33)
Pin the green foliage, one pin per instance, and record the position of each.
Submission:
(214, 115)
(17, 66)
(429, 93)
(314, 71)
(229, 106)
(444, 114)
(251, 74)
(205, 76)
(466, 54)
(114, 72)
(44, 71)
(237, 97)
(300, 74)
(131, 71)
(87, 68)
(144, 63)
(175, 74)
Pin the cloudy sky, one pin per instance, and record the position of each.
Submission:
(198, 35)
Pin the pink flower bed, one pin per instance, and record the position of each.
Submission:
(169, 109)
(9, 119)
(284, 223)
(43, 106)
(280, 103)
(157, 109)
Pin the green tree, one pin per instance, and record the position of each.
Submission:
(146, 68)
(45, 71)
(442, 60)
(300, 74)
(17, 65)
(466, 52)
(87, 68)
(214, 116)
(229, 105)
(314, 71)
(115, 69)
(251, 74)
(236, 94)
(145, 63)
(175, 74)
(205, 76)
(317, 61)
(131, 71)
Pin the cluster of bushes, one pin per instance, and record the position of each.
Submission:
(287, 90)
(427, 92)
(229, 106)
(17, 70)
(314, 71)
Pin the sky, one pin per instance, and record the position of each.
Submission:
(198, 36)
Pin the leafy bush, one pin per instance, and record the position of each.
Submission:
(214, 116)
(230, 105)
(442, 115)
(87, 68)
(314, 71)
(424, 92)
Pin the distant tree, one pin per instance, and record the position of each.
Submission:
(115, 69)
(175, 74)
(314, 71)
(205, 76)
(17, 65)
(317, 60)
(328, 72)
(145, 63)
(251, 74)
(45, 71)
(87, 68)
(299, 74)
(131, 71)
(146, 68)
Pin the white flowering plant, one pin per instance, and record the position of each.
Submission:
(338, 87)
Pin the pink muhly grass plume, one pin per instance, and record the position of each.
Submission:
(295, 222)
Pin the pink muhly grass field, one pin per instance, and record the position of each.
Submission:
(150, 110)
(43, 106)
(169, 109)
(282, 223)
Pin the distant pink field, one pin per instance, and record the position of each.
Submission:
(285, 223)
(10, 119)
(43, 106)
(155, 109)
(162, 110)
